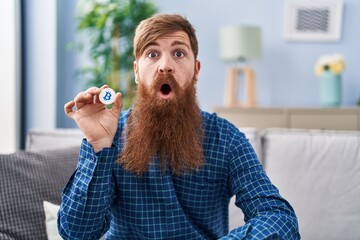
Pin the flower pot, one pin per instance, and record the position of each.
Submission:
(330, 89)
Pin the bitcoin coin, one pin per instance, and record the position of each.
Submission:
(107, 96)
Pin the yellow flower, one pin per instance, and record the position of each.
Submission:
(337, 67)
(334, 63)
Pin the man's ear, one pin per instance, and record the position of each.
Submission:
(197, 68)
(136, 72)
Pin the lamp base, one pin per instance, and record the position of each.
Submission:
(232, 85)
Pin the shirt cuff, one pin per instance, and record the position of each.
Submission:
(93, 164)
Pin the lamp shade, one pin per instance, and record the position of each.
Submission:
(240, 43)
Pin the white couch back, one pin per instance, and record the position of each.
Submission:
(51, 139)
(318, 172)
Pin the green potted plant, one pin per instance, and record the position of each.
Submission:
(109, 27)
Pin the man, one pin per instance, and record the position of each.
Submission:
(165, 169)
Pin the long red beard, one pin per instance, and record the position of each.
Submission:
(170, 129)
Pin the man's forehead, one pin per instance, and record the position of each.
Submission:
(175, 38)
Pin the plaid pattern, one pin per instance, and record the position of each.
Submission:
(26, 180)
(101, 197)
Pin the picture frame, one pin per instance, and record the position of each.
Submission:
(307, 20)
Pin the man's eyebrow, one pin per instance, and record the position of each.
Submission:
(176, 42)
(151, 44)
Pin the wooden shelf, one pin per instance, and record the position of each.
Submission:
(307, 118)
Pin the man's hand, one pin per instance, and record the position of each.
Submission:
(98, 123)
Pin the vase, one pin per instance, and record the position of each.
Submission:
(330, 89)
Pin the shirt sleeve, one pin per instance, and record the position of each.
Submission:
(267, 214)
(85, 209)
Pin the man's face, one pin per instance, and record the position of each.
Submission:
(169, 54)
(165, 105)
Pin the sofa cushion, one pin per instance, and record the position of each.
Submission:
(318, 173)
(51, 139)
(26, 180)
(51, 211)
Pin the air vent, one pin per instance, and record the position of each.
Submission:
(313, 20)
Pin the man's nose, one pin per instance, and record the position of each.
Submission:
(166, 65)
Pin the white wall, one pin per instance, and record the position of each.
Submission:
(8, 103)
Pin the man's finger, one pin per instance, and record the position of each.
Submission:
(94, 90)
(82, 99)
(68, 109)
(97, 93)
(117, 106)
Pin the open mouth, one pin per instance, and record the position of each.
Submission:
(165, 89)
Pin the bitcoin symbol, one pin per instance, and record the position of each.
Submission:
(107, 96)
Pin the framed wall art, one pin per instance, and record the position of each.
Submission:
(308, 20)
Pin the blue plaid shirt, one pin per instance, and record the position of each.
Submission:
(101, 197)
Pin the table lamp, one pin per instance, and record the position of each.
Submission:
(240, 44)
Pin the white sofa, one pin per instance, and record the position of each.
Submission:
(318, 172)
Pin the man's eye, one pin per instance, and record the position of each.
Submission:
(152, 54)
(179, 54)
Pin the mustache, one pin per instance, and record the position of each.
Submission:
(163, 77)
(166, 78)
